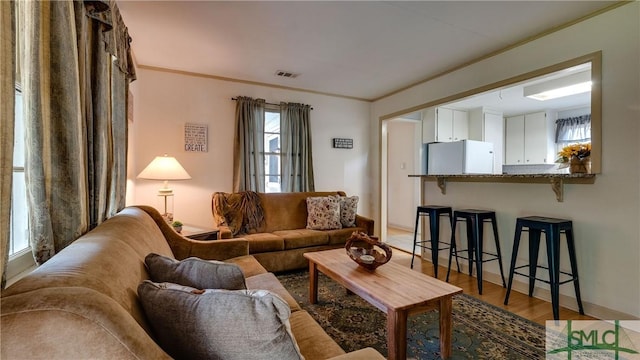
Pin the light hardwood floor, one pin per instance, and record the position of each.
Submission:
(531, 308)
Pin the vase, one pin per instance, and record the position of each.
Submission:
(579, 166)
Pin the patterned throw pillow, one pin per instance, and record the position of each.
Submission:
(194, 272)
(219, 324)
(323, 213)
(348, 209)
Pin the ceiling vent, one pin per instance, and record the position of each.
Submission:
(286, 74)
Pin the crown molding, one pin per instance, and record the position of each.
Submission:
(257, 83)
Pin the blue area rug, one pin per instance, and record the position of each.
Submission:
(480, 330)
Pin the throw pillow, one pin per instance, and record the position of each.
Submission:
(218, 324)
(323, 213)
(348, 209)
(194, 272)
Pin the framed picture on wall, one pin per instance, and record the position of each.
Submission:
(196, 137)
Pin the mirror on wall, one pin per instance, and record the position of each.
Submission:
(528, 119)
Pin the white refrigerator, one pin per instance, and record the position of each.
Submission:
(460, 157)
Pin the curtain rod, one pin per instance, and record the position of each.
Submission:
(234, 99)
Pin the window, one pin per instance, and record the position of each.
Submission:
(20, 258)
(574, 129)
(272, 164)
(19, 240)
(275, 145)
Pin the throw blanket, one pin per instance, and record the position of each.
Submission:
(242, 212)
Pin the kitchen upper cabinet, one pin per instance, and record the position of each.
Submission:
(514, 140)
(488, 125)
(460, 126)
(537, 139)
(529, 139)
(444, 125)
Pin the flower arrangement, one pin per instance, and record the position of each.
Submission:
(575, 151)
(580, 151)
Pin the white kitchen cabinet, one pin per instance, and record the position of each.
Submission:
(536, 139)
(460, 126)
(444, 125)
(488, 125)
(529, 139)
(514, 140)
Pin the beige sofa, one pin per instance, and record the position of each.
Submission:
(282, 239)
(83, 303)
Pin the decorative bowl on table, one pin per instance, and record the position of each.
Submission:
(367, 251)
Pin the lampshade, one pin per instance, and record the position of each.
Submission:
(164, 168)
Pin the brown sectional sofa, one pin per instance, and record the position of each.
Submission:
(283, 237)
(83, 303)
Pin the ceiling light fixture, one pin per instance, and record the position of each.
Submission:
(569, 85)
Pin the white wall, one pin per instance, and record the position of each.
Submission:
(164, 102)
(606, 213)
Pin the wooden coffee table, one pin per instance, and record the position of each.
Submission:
(394, 289)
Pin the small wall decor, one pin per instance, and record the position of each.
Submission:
(196, 137)
(340, 143)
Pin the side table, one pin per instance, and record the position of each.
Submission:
(199, 233)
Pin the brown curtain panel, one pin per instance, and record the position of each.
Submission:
(296, 155)
(248, 149)
(7, 97)
(75, 117)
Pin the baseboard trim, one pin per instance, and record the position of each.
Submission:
(569, 302)
(401, 227)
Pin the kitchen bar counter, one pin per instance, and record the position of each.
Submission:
(557, 181)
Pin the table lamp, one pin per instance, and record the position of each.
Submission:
(165, 168)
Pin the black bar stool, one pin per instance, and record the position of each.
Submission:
(552, 228)
(475, 220)
(433, 212)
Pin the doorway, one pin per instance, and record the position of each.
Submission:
(402, 138)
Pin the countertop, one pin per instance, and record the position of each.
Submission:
(509, 176)
(557, 181)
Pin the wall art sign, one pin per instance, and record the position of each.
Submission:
(340, 143)
(196, 137)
